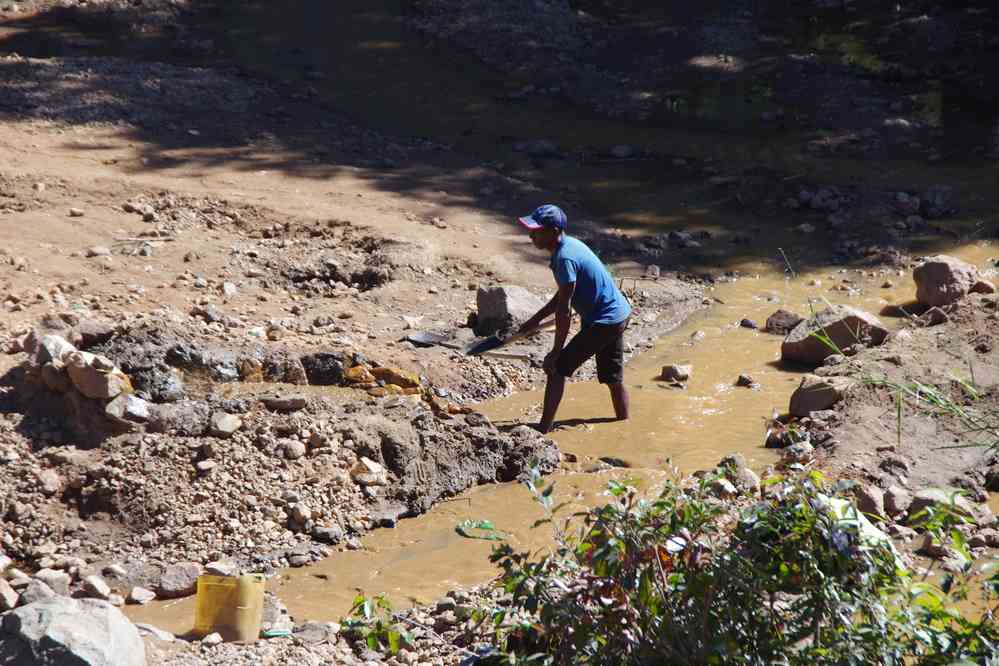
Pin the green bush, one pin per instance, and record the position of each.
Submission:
(679, 579)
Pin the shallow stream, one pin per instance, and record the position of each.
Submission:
(691, 428)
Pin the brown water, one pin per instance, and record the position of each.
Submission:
(422, 558)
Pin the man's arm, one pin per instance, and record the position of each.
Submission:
(545, 311)
(563, 315)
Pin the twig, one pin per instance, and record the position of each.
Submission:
(150, 239)
(787, 263)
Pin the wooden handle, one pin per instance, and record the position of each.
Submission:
(529, 332)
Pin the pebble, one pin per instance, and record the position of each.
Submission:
(76, 212)
(98, 251)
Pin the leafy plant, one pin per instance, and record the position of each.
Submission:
(372, 622)
(799, 577)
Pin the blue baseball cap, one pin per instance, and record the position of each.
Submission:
(547, 215)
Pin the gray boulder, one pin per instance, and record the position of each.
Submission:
(186, 417)
(502, 307)
(816, 393)
(845, 327)
(179, 580)
(70, 632)
(942, 280)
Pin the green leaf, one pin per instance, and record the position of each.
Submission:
(393, 641)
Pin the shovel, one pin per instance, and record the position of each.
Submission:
(495, 341)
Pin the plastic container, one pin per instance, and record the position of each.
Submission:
(233, 606)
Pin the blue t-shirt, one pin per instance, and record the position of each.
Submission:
(596, 298)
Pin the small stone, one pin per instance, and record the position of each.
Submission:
(367, 472)
(870, 500)
(676, 373)
(816, 393)
(96, 588)
(50, 482)
(98, 251)
(229, 289)
(140, 595)
(8, 596)
(224, 425)
(155, 632)
(179, 580)
(748, 323)
(76, 212)
(294, 449)
(206, 466)
(212, 639)
(897, 500)
(58, 581)
(746, 381)
(284, 403)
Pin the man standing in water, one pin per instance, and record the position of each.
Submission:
(584, 284)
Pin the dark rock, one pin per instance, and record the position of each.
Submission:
(748, 323)
(324, 368)
(818, 393)
(782, 322)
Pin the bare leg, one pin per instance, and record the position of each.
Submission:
(619, 396)
(553, 396)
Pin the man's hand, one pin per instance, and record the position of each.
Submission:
(550, 360)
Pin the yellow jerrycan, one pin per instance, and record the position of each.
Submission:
(233, 606)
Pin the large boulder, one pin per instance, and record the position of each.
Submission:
(70, 632)
(951, 499)
(844, 326)
(502, 307)
(942, 280)
(179, 580)
(816, 393)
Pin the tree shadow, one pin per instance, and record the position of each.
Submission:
(323, 91)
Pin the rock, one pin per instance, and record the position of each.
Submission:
(55, 378)
(746, 381)
(723, 488)
(36, 590)
(188, 418)
(58, 581)
(983, 287)
(933, 317)
(76, 212)
(503, 306)
(212, 639)
(327, 534)
(324, 368)
(816, 393)
(294, 449)
(48, 349)
(224, 425)
(8, 596)
(359, 375)
(942, 280)
(179, 580)
(870, 499)
(155, 632)
(938, 202)
(95, 587)
(676, 373)
(229, 289)
(367, 472)
(801, 452)
(96, 377)
(222, 568)
(49, 482)
(128, 407)
(313, 632)
(949, 498)
(782, 322)
(401, 378)
(284, 403)
(140, 595)
(98, 251)
(897, 500)
(748, 323)
(275, 616)
(68, 631)
(845, 326)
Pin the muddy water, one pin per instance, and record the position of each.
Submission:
(691, 428)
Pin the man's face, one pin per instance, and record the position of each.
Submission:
(544, 237)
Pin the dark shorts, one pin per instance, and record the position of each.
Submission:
(606, 342)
